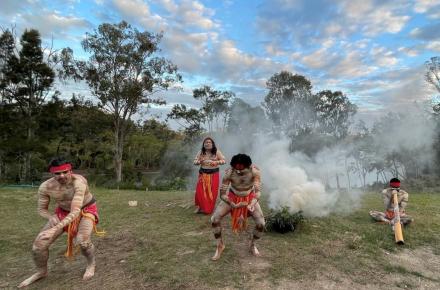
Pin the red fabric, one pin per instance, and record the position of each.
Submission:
(205, 198)
(93, 209)
(235, 198)
(239, 215)
(61, 168)
(395, 184)
(389, 214)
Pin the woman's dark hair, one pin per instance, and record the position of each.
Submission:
(394, 180)
(214, 148)
(241, 159)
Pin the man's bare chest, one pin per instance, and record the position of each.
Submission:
(240, 181)
(61, 193)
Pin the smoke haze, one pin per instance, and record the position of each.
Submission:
(326, 183)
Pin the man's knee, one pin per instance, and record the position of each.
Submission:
(85, 244)
(407, 220)
(216, 226)
(215, 221)
(83, 241)
(259, 229)
(39, 246)
(260, 223)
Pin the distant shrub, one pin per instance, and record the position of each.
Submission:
(176, 183)
(282, 221)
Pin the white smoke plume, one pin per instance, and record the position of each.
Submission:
(296, 181)
(290, 179)
(318, 186)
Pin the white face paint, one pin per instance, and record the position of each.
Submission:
(63, 177)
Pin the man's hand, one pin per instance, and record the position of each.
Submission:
(242, 204)
(251, 206)
(47, 235)
(238, 205)
(53, 220)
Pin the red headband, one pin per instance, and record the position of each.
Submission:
(239, 166)
(395, 184)
(64, 167)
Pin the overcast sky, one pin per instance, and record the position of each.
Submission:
(373, 51)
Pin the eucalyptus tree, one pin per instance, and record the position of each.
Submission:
(213, 112)
(190, 119)
(215, 106)
(432, 74)
(335, 113)
(124, 73)
(290, 103)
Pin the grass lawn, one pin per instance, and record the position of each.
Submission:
(162, 244)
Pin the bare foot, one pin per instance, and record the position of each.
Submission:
(254, 251)
(90, 272)
(32, 279)
(218, 252)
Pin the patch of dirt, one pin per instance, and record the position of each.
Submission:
(111, 263)
(256, 269)
(193, 234)
(420, 260)
(112, 272)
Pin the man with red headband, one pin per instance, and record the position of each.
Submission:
(239, 192)
(75, 213)
(388, 215)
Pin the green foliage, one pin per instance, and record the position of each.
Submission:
(299, 114)
(282, 221)
(245, 120)
(26, 78)
(213, 114)
(176, 183)
(124, 73)
(190, 119)
(289, 102)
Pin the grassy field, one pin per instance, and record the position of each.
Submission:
(162, 244)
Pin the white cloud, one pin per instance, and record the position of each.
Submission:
(230, 64)
(374, 19)
(351, 66)
(187, 50)
(412, 52)
(333, 28)
(428, 32)
(433, 45)
(273, 50)
(319, 59)
(190, 13)
(383, 57)
(139, 11)
(53, 24)
(430, 7)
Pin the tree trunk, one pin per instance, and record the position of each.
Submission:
(118, 157)
(337, 182)
(119, 147)
(348, 174)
